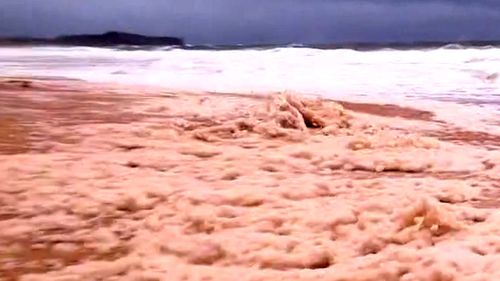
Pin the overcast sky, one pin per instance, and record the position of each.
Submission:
(258, 21)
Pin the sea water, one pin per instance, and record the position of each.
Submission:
(451, 81)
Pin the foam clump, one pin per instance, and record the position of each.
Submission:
(390, 140)
(283, 116)
(389, 164)
(290, 111)
(369, 162)
(427, 216)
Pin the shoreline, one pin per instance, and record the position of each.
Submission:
(105, 181)
(59, 89)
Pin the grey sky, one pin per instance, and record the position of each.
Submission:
(258, 21)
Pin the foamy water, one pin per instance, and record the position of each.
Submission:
(442, 78)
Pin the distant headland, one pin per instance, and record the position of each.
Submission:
(111, 38)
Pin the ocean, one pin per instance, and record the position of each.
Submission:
(452, 80)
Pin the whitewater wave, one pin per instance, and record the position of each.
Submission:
(451, 73)
(365, 47)
(453, 47)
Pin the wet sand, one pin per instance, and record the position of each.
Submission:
(107, 182)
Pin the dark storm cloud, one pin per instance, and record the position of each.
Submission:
(259, 21)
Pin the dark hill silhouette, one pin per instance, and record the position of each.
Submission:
(117, 38)
(112, 38)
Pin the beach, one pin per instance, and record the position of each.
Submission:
(110, 181)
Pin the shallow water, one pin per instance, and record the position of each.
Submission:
(451, 76)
